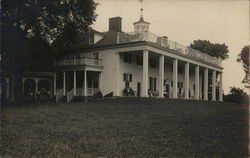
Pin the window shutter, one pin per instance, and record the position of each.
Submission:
(130, 77)
(124, 76)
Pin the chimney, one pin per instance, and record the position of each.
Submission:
(115, 24)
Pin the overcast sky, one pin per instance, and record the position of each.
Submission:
(184, 21)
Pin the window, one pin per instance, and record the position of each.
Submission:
(139, 60)
(127, 77)
(96, 55)
(152, 63)
(152, 83)
(179, 90)
(180, 85)
(126, 84)
(127, 58)
(124, 77)
(130, 77)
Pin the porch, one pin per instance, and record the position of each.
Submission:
(70, 84)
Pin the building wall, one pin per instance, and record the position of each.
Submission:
(109, 70)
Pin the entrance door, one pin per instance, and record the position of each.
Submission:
(138, 89)
(167, 90)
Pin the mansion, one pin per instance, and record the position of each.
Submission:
(149, 64)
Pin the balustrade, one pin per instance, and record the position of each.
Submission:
(78, 61)
(165, 42)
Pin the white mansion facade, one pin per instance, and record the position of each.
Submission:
(149, 64)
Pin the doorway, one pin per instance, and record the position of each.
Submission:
(138, 89)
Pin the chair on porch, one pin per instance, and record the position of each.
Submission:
(153, 93)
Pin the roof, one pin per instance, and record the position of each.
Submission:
(141, 20)
(110, 38)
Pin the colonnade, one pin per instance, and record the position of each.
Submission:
(186, 78)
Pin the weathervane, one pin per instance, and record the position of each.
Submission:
(141, 7)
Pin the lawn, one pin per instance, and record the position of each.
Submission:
(125, 127)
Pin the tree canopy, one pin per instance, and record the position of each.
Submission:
(33, 30)
(213, 49)
(243, 58)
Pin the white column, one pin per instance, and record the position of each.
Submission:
(145, 74)
(175, 77)
(161, 75)
(54, 83)
(200, 84)
(117, 77)
(85, 83)
(221, 90)
(206, 84)
(74, 83)
(64, 83)
(186, 81)
(214, 85)
(197, 86)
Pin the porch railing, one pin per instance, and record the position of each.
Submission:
(79, 91)
(70, 95)
(90, 91)
(59, 94)
(78, 61)
(165, 42)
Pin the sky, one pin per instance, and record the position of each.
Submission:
(219, 21)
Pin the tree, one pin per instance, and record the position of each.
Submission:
(237, 95)
(33, 29)
(213, 49)
(243, 58)
(237, 91)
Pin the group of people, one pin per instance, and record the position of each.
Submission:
(128, 92)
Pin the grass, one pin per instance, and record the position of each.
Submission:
(125, 127)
